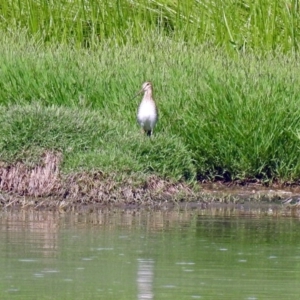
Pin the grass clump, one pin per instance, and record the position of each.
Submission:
(89, 141)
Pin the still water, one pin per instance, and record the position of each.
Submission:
(178, 254)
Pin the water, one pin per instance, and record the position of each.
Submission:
(149, 255)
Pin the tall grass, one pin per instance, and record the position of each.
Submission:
(220, 116)
(235, 25)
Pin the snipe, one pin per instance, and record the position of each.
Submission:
(147, 114)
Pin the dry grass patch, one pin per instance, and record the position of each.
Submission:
(40, 180)
(45, 180)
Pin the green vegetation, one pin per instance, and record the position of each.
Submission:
(223, 113)
(262, 25)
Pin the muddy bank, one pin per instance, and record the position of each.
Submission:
(44, 185)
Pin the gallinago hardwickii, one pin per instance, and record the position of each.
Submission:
(147, 114)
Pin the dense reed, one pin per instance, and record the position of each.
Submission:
(262, 25)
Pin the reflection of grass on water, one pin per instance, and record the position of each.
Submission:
(223, 115)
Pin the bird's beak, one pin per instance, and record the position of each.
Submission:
(138, 93)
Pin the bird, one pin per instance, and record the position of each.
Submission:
(147, 113)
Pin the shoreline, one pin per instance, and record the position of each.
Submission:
(242, 208)
(43, 187)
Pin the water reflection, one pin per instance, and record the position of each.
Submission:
(145, 279)
(37, 231)
(145, 254)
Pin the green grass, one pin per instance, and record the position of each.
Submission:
(221, 116)
(236, 25)
(89, 141)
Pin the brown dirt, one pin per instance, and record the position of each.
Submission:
(43, 186)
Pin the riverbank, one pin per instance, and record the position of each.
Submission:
(69, 131)
(44, 187)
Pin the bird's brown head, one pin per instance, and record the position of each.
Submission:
(146, 86)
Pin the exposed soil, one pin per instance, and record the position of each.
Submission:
(43, 186)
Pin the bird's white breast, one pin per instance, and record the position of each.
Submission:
(147, 115)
